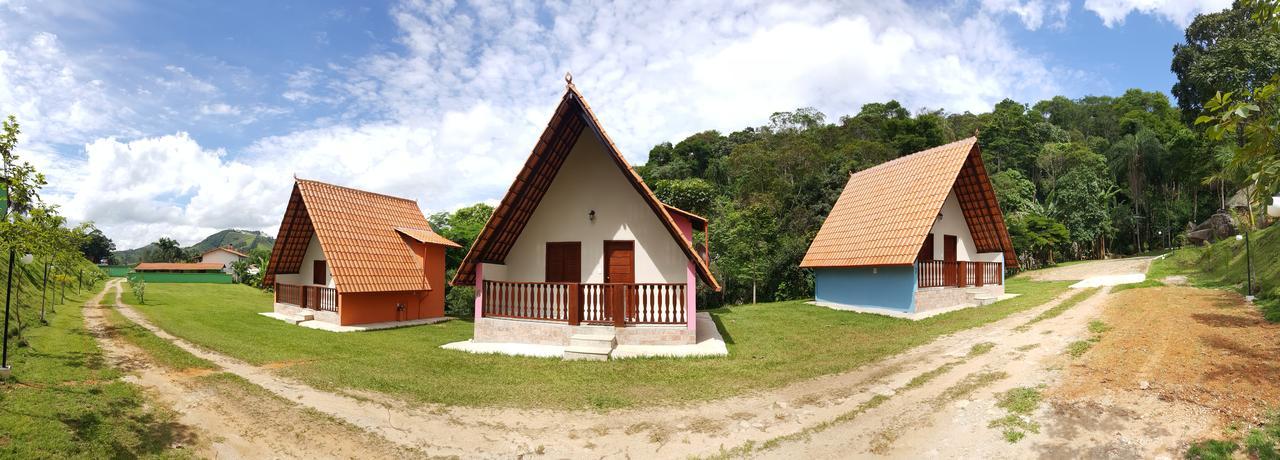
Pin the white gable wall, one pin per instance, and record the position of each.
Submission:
(953, 223)
(303, 277)
(220, 257)
(589, 180)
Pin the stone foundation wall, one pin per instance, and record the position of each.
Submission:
(656, 335)
(498, 330)
(938, 298)
(326, 316)
(501, 330)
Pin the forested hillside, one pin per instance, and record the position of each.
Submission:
(243, 240)
(1075, 178)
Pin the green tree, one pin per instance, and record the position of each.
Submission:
(97, 247)
(1224, 52)
(166, 250)
(1034, 238)
(1081, 198)
(694, 195)
(1014, 192)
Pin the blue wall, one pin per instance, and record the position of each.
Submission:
(892, 288)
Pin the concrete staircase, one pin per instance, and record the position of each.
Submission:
(593, 343)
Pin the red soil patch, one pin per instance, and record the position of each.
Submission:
(1203, 347)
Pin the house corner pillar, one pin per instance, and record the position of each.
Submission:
(691, 296)
(479, 310)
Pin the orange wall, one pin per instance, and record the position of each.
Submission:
(377, 307)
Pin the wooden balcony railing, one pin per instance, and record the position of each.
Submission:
(314, 297)
(594, 303)
(937, 273)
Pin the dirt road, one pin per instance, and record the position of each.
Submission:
(936, 400)
(695, 430)
(1091, 269)
(223, 417)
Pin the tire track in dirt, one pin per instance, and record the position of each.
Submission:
(223, 417)
(947, 416)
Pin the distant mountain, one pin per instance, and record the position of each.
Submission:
(243, 240)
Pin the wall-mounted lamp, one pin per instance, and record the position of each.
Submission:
(591, 216)
(939, 217)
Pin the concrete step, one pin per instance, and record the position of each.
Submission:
(985, 299)
(587, 353)
(607, 341)
(295, 319)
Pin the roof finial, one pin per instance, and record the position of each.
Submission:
(568, 78)
(975, 132)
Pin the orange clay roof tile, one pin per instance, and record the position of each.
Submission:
(358, 232)
(884, 212)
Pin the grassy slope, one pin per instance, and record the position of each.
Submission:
(64, 401)
(770, 345)
(1223, 265)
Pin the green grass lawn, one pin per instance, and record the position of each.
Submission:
(769, 345)
(65, 401)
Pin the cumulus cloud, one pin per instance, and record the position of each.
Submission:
(448, 117)
(1180, 12)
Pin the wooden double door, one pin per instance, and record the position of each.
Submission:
(564, 265)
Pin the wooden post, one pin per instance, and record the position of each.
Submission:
(620, 304)
(574, 304)
(304, 295)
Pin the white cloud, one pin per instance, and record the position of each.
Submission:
(1180, 12)
(219, 109)
(1032, 13)
(449, 117)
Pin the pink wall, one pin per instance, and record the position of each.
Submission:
(691, 275)
(479, 290)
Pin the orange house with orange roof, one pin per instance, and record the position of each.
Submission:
(351, 257)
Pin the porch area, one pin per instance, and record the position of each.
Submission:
(587, 320)
(958, 274)
(616, 304)
(949, 285)
(306, 302)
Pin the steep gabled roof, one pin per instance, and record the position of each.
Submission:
(572, 118)
(885, 212)
(360, 234)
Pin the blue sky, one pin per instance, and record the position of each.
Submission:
(181, 118)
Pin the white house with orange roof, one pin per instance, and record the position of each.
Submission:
(914, 237)
(223, 255)
(580, 257)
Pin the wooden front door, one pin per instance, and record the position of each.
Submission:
(564, 262)
(619, 274)
(950, 270)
